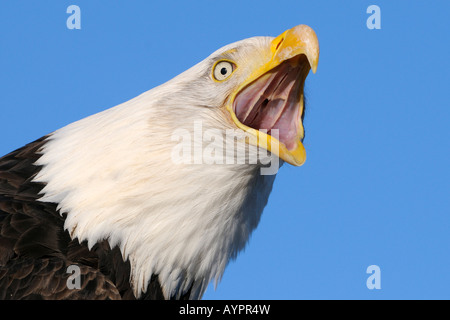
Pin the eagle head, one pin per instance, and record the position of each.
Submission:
(162, 176)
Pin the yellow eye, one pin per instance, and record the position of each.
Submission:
(223, 70)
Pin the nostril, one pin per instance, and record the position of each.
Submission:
(278, 44)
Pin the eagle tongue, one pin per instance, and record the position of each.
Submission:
(251, 97)
(267, 103)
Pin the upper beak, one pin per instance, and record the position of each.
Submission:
(300, 40)
(293, 42)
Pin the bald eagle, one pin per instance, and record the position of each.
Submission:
(152, 198)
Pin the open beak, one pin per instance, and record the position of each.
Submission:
(269, 104)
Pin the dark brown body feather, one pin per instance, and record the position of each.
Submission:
(35, 250)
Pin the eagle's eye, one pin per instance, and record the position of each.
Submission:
(222, 70)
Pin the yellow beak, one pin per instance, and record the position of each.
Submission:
(300, 40)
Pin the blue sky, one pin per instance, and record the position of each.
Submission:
(375, 187)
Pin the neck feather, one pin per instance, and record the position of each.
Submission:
(112, 174)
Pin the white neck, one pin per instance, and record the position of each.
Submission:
(112, 174)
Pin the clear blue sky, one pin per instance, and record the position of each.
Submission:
(375, 187)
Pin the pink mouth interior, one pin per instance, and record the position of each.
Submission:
(272, 101)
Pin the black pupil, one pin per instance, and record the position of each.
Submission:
(223, 71)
